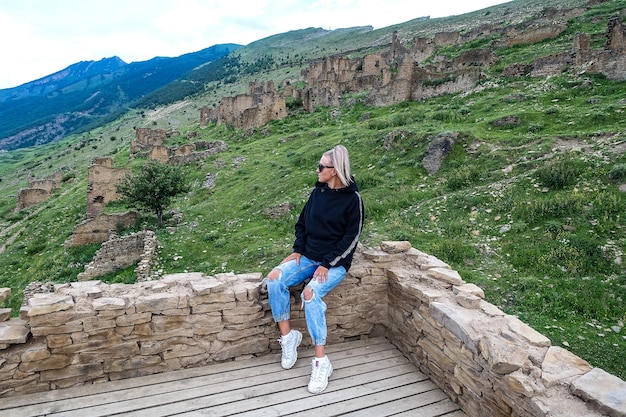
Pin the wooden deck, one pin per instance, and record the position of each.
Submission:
(370, 378)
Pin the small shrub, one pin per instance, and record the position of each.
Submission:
(453, 250)
(618, 172)
(462, 177)
(68, 177)
(560, 174)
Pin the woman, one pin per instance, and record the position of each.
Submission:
(326, 236)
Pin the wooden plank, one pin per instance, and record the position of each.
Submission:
(381, 403)
(217, 368)
(225, 386)
(340, 401)
(445, 407)
(427, 404)
(370, 378)
(153, 385)
(299, 399)
(259, 393)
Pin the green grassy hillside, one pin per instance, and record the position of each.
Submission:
(531, 212)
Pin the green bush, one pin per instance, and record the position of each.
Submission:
(561, 174)
(462, 177)
(618, 172)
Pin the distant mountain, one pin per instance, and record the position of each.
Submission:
(87, 94)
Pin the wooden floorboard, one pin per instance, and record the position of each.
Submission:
(370, 377)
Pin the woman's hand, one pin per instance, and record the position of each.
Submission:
(295, 256)
(321, 274)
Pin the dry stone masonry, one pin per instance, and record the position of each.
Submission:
(102, 178)
(38, 190)
(487, 361)
(403, 73)
(120, 252)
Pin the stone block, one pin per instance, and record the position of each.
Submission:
(606, 391)
(469, 289)
(395, 247)
(57, 341)
(48, 303)
(83, 372)
(60, 317)
(155, 303)
(5, 314)
(235, 335)
(502, 355)
(71, 327)
(46, 364)
(560, 366)
(527, 333)
(167, 323)
(109, 303)
(449, 276)
(246, 346)
(13, 333)
(459, 321)
(5, 293)
(93, 324)
(133, 319)
(33, 355)
(183, 351)
(522, 383)
(467, 300)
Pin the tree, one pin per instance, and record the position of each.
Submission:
(153, 187)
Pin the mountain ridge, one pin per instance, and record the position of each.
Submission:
(86, 94)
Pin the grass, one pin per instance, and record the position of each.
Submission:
(531, 212)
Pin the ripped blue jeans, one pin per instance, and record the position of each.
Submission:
(315, 308)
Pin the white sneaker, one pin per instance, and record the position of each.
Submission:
(289, 346)
(321, 369)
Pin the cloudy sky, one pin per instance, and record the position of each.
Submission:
(40, 37)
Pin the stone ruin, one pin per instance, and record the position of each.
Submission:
(102, 178)
(399, 73)
(38, 190)
(610, 61)
(188, 153)
(488, 362)
(120, 252)
(146, 138)
(99, 228)
(150, 144)
(261, 105)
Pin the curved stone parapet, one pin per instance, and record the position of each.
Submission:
(489, 362)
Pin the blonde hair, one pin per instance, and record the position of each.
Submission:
(341, 161)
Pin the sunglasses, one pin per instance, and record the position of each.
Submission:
(321, 167)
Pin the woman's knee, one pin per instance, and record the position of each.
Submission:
(274, 274)
(307, 295)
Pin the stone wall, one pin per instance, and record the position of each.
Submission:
(102, 178)
(398, 74)
(187, 153)
(246, 111)
(30, 196)
(146, 138)
(38, 190)
(120, 252)
(488, 362)
(98, 229)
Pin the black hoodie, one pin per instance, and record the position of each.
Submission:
(330, 224)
